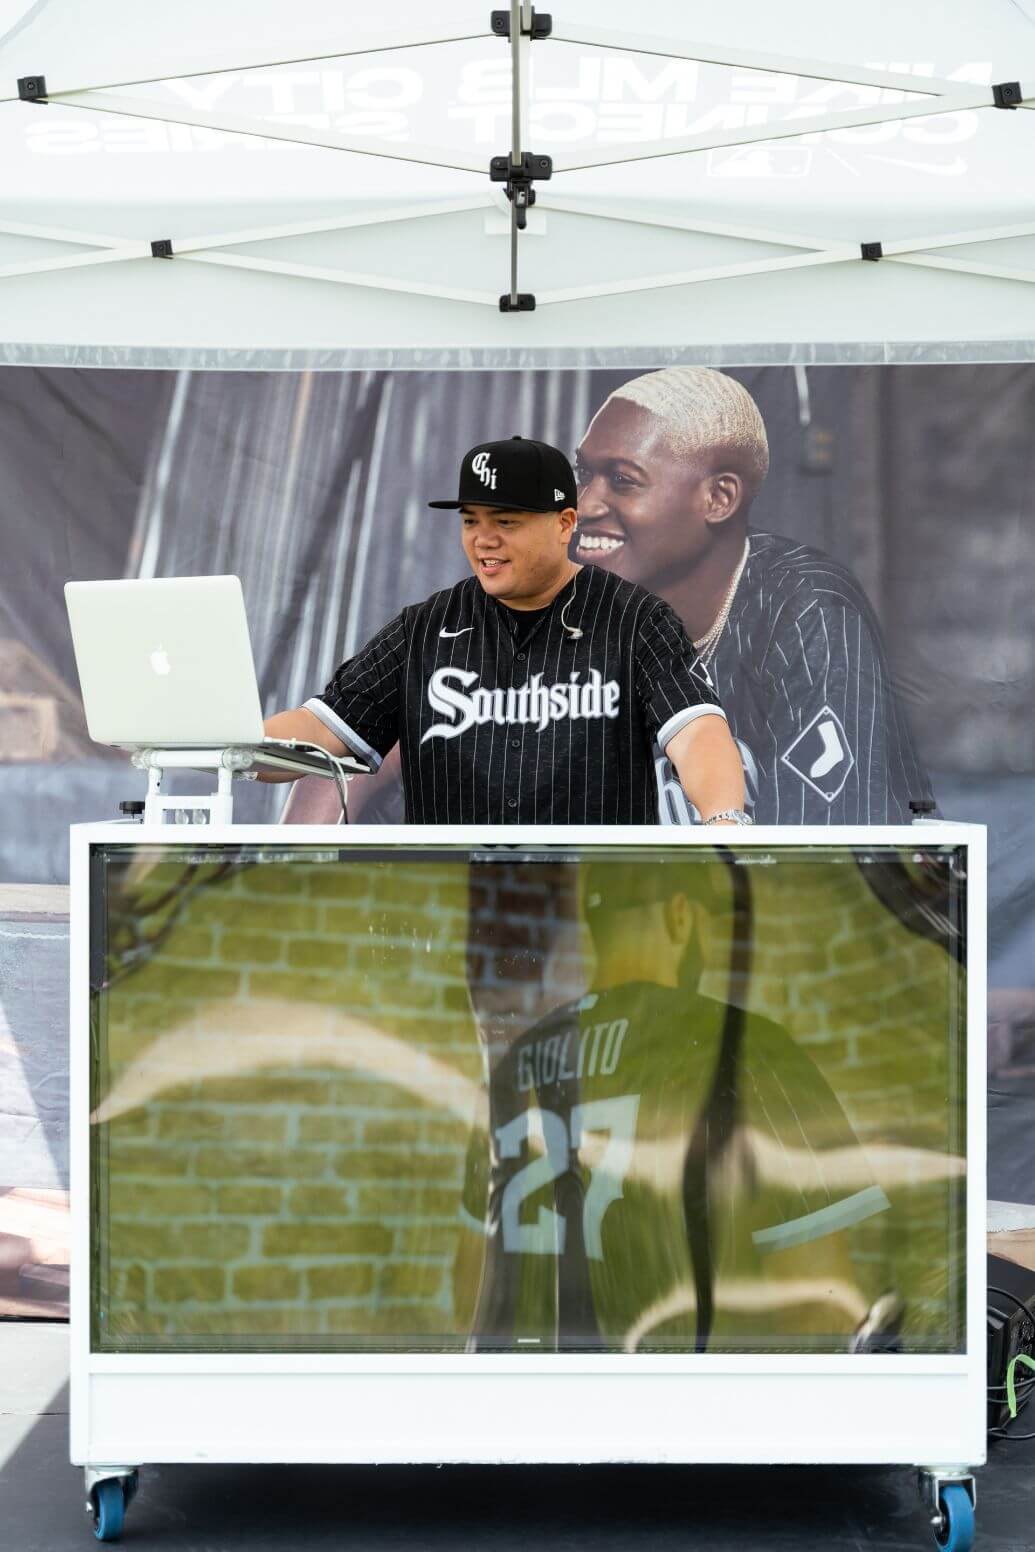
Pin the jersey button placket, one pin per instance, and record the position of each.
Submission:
(513, 765)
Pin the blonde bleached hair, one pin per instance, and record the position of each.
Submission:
(703, 410)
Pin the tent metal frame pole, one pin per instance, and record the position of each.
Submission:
(261, 59)
(263, 129)
(965, 267)
(970, 98)
(516, 136)
(578, 206)
(699, 276)
(520, 21)
(481, 201)
(748, 59)
(267, 266)
(347, 278)
(892, 249)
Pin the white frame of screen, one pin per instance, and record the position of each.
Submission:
(128, 1409)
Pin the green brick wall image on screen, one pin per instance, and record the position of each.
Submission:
(289, 1082)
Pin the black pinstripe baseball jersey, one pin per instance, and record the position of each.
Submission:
(501, 725)
(802, 674)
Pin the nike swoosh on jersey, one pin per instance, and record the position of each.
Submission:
(447, 634)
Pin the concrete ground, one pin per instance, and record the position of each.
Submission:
(219, 1508)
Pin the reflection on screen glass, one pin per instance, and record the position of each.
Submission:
(682, 1099)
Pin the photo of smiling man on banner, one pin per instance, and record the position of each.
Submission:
(668, 471)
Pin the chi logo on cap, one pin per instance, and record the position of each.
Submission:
(484, 469)
(514, 475)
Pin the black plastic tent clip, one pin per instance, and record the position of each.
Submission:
(519, 178)
(1007, 94)
(542, 25)
(32, 88)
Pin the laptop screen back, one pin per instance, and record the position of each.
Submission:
(165, 661)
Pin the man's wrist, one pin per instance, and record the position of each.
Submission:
(734, 816)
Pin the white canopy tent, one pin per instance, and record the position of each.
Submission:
(325, 188)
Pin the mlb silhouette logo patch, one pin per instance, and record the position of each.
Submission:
(820, 755)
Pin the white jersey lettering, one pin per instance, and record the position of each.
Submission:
(532, 702)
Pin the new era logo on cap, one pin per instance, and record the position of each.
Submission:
(518, 475)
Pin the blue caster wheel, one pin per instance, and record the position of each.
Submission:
(110, 1499)
(956, 1532)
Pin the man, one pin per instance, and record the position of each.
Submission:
(663, 1171)
(667, 473)
(533, 691)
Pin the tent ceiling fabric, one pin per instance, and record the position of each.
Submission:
(326, 190)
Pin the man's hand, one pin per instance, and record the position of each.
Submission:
(308, 729)
(708, 765)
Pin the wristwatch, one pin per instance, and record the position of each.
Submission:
(737, 815)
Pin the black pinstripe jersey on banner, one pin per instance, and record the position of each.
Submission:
(500, 722)
(802, 674)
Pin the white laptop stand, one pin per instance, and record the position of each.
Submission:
(241, 760)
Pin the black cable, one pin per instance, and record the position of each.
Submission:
(1024, 1308)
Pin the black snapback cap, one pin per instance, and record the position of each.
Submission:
(517, 475)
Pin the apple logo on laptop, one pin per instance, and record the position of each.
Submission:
(160, 660)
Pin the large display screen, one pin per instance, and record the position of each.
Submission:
(464, 1099)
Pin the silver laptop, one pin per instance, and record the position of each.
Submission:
(167, 663)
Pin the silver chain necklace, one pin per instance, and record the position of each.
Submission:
(707, 644)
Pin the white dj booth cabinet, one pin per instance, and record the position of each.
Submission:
(129, 1408)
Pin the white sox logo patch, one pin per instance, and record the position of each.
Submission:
(485, 471)
(534, 702)
(820, 755)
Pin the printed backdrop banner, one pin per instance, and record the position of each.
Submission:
(880, 640)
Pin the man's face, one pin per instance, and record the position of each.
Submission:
(642, 507)
(516, 555)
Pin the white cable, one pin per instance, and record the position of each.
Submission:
(574, 634)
